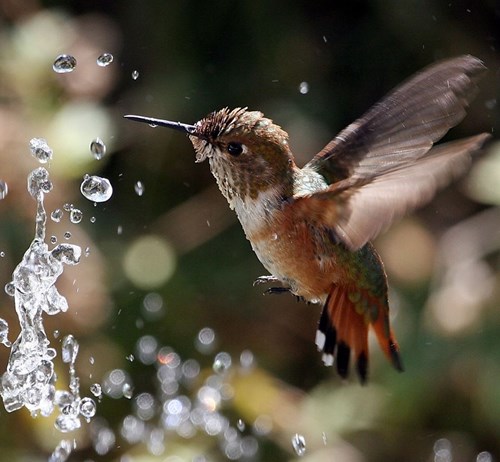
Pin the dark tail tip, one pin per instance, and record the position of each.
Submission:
(362, 367)
(343, 354)
(395, 356)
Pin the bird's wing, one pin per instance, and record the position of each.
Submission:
(358, 210)
(403, 126)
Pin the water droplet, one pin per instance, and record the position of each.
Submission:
(53, 239)
(249, 447)
(222, 362)
(4, 189)
(128, 390)
(96, 390)
(139, 188)
(67, 253)
(64, 64)
(263, 425)
(240, 425)
(490, 104)
(233, 450)
(68, 207)
(87, 408)
(325, 439)
(38, 182)
(10, 289)
(113, 381)
(69, 349)
(484, 456)
(168, 357)
(105, 59)
(2, 254)
(67, 235)
(135, 75)
(246, 359)
(61, 452)
(304, 88)
(4, 332)
(67, 421)
(75, 216)
(96, 189)
(299, 444)
(87, 251)
(104, 440)
(56, 333)
(119, 230)
(56, 215)
(205, 341)
(130, 358)
(153, 306)
(442, 450)
(40, 150)
(98, 148)
(133, 429)
(146, 349)
(92, 219)
(190, 369)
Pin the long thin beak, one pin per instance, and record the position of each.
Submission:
(189, 129)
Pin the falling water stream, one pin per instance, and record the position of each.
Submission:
(30, 380)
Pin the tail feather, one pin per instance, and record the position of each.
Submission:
(343, 327)
(388, 342)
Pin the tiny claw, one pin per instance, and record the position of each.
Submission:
(276, 290)
(265, 280)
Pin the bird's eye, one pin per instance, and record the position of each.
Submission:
(235, 149)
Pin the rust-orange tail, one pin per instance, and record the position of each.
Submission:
(343, 327)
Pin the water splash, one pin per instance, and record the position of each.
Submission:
(189, 401)
(30, 380)
(135, 75)
(64, 64)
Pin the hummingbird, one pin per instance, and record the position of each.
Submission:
(312, 227)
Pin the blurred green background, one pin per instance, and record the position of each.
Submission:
(168, 263)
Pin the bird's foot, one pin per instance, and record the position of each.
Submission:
(276, 290)
(265, 280)
(271, 290)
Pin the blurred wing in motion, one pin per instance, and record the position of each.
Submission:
(373, 207)
(403, 126)
(382, 165)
